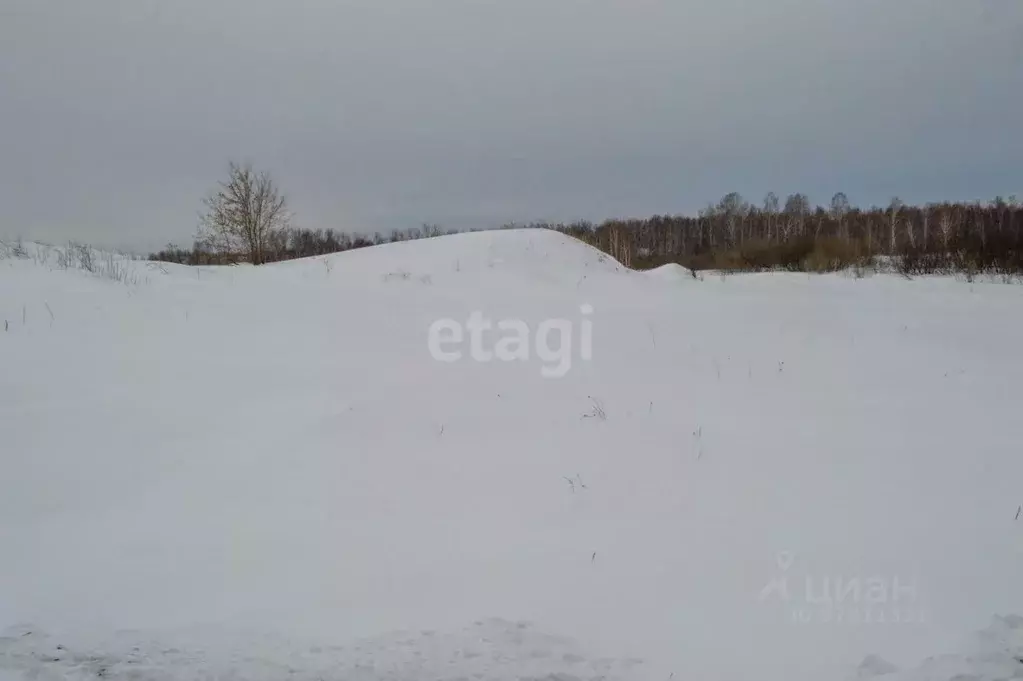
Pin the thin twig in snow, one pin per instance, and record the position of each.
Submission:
(597, 411)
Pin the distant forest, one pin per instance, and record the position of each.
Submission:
(734, 234)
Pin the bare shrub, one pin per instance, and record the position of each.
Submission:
(13, 249)
(112, 266)
(18, 249)
(832, 254)
(84, 255)
(66, 258)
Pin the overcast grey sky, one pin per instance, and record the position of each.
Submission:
(116, 116)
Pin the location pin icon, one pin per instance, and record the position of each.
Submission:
(785, 559)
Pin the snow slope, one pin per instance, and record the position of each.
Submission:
(250, 472)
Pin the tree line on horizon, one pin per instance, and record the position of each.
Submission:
(736, 235)
(246, 220)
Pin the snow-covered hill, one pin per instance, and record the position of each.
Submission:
(265, 472)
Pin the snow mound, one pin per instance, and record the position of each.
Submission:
(874, 665)
(535, 255)
(670, 272)
(994, 654)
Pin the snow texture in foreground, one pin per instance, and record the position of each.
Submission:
(488, 650)
(772, 477)
(492, 649)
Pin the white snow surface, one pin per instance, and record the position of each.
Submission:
(262, 473)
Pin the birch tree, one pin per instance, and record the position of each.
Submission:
(244, 214)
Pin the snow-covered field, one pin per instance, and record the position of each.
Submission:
(263, 473)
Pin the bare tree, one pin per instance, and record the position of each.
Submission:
(839, 209)
(771, 211)
(945, 225)
(797, 209)
(733, 208)
(245, 214)
(894, 207)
